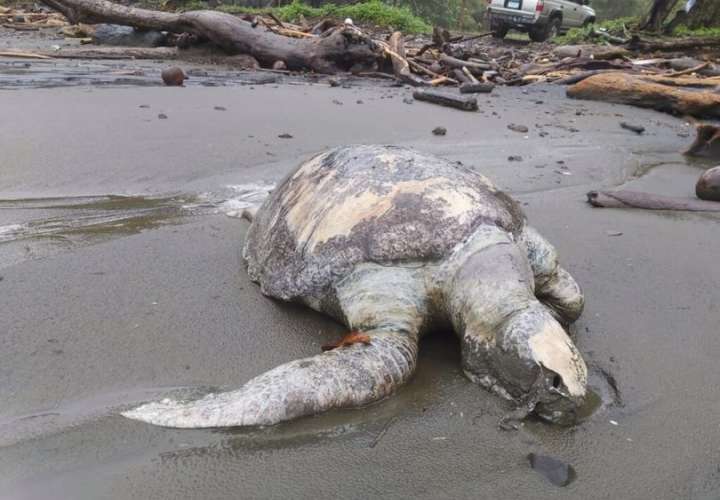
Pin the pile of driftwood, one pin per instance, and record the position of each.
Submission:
(629, 72)
(21, 20)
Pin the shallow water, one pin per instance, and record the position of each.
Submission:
(51, 225)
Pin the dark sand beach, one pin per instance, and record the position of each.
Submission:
(121, 282)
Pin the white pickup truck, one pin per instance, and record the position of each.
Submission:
(541, 19)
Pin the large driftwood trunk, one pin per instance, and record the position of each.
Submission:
(335, 52)
(627, 89)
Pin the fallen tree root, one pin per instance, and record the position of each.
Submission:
(649, 201)
(401, 67)
(338, 51)
(627, 89)
(707, 138)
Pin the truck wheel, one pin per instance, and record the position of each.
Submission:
(499, 31)
(547, 32)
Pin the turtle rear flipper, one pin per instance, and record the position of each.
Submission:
(554, 286)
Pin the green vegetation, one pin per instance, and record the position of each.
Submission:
(698, 32)
(369, 12)
(620, 27)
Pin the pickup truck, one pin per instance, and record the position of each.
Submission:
(541, 19)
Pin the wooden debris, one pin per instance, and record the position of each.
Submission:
(628, 89)
(638, 129)
(331, 53)
(332, 47)
(21, 27)
(464, 103)
(161, 53)
(23, 55)
(396, 51)
(707, 139)
(476, 88)
(649, 201)
(688, 71)
(474, 67)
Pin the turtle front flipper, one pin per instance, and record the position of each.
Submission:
(386, 304)
(511, 343)
(554, 286)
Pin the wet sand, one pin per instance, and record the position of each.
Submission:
(93, 321)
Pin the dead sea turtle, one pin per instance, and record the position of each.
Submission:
(393, 243)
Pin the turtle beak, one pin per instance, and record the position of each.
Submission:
(556, 404)
(564, 385)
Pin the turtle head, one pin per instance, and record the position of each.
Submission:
(530, 360)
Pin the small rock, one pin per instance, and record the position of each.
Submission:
(407, 100)
(18, 18)
(557, 472)
(335, 101)
(162, 116)
(544, 134)
(614, 233)
(334, 82)
(515, 158)
(279, 65)
(173, 77)
(220, 108)
(360, 101)
(518, 128)
(708, 186)
(144, 106)
(285, 136)
(439, 131)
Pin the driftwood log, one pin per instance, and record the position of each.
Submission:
(649, 201)
(465, 103)
(623, 88)
(476, 88)
(401, 66)
(335, 51)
